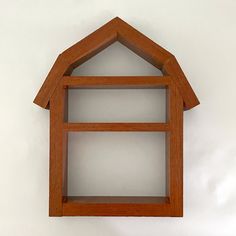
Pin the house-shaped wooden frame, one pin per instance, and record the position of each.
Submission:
(53, 95)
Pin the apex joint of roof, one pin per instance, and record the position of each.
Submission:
(116, 30)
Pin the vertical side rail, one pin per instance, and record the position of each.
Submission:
(174, 142)
(65, 144)
(58, 151)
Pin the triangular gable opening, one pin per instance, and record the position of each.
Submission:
(116, 60)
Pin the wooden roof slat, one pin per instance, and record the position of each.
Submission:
(77, 54)
(142, 45)
(172, 68)
(92, 44)
(115, 30)
(50, 83)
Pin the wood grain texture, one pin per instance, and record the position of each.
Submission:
(91, 44)
(54, 92)
(73, 56)
(172, 68)
(115, 30)
(61, 205)
(116, 199)
(122, 82)
(116, 206)
(50, 84)
(102, 127)
(58, 152)
(175, 152)
(141, 44)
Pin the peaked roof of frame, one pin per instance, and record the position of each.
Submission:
(116, 30)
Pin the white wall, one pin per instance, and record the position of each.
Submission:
(201, 34)
(119, 163)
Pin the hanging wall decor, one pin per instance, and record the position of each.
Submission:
(53, 95)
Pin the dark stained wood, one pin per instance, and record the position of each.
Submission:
(78, 127)
(135, 82)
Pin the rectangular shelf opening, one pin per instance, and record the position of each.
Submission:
(116, 105)
(116, 164)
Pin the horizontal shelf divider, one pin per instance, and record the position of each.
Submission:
(70, 127)
(116, 81)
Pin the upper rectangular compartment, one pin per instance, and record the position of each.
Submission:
(115, 100)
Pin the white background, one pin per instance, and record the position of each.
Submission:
(119, 163)
(201, 34)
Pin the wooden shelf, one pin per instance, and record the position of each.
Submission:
(116, 82)
(75, 127)
(116, 206)
(115, 199)
(53, 95)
